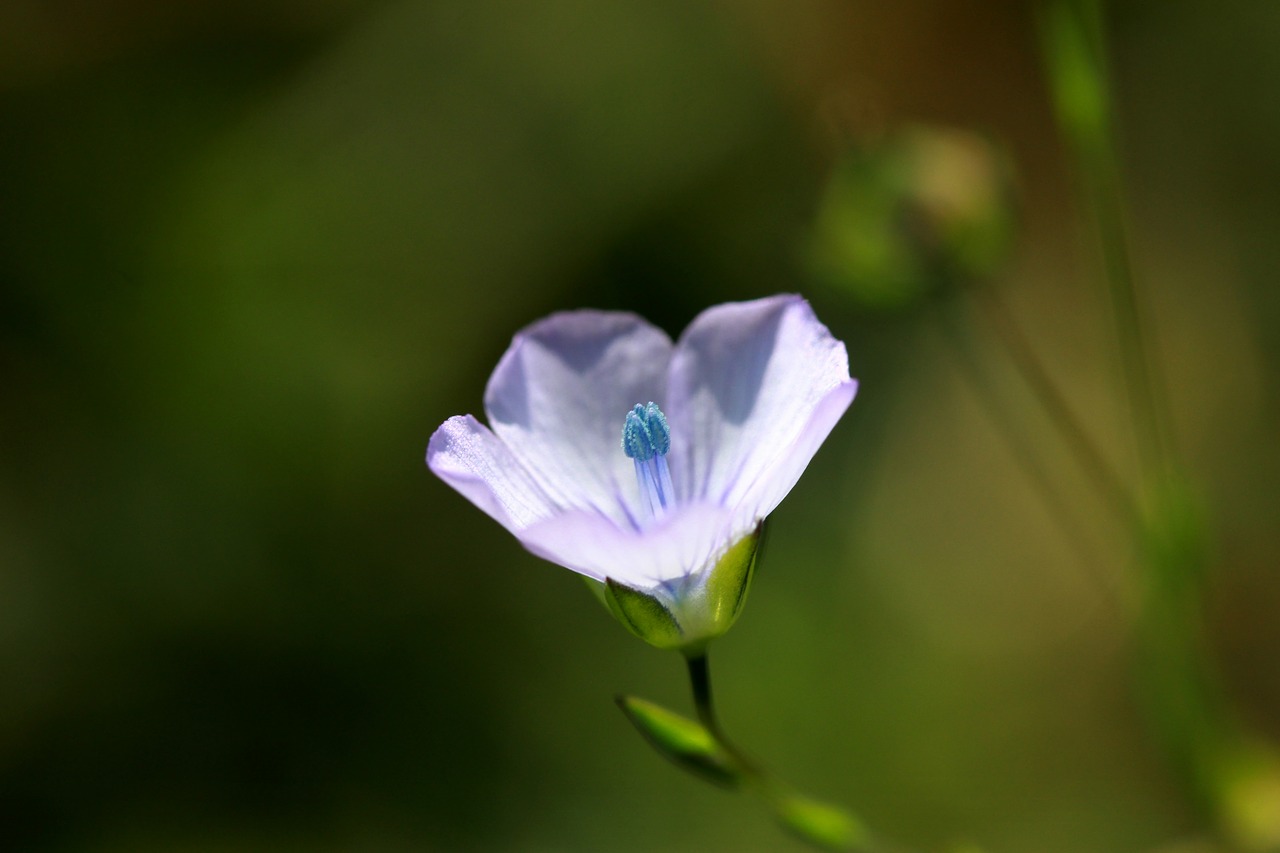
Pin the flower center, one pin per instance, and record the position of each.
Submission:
(646, 438)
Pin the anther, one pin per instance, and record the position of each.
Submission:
(646, 438)
(645, 433)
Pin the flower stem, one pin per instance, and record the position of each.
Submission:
(822, 825)
(700, 681)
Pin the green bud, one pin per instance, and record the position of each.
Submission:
(682, 741)
(1247, 794)
(821, 824)
(910, 215)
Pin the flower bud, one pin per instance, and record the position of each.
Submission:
(901, 219)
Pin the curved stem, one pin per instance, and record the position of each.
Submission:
(775, 792)
(700, 681)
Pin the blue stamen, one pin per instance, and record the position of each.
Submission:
(646, 438)
(645, 433)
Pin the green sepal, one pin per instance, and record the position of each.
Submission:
(644, 615)
(682, 741)
(821, 824)
(597, 590)
(729, 581)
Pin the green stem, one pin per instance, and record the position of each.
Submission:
(1095, 466)
(1024, 455)
(780, 796)
(1102, 182)
(700, 680)
(1187, 707)
(1075, 46)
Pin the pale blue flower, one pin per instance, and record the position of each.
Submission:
(621, 456)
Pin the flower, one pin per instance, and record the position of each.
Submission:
(715, 429)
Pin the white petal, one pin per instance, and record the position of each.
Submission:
(560, 394)
(756, 499)
(683, 543)
(466, 455)
(755, 387)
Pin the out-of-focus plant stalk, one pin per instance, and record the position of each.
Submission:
(1231, 775)
(961, 330)
(1105, 480)
(1075, 50)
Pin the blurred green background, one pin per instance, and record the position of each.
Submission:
(252, 254)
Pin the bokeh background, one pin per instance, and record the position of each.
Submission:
(252, 254)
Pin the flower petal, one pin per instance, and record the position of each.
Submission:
(778, 476)
(677, 546)
(560, 394)
(466, 455)
(754, 389)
